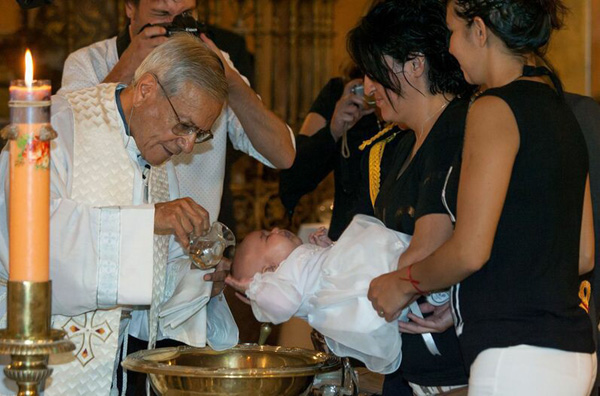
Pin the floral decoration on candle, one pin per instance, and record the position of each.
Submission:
(31, 148)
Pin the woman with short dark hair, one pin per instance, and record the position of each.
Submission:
(524, 229)
(401, 46)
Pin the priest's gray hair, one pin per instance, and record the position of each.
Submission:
(185, 59)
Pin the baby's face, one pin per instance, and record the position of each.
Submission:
(263, 249)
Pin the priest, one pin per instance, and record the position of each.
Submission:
(116, 211)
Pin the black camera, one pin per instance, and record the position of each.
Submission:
(358, 89)
(182, 23)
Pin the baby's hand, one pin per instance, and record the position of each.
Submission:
(320, 238)
(240, 287)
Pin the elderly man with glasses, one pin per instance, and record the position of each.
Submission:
(116, 211)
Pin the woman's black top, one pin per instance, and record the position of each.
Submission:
(319, 154)
(527, 293)
(403, 199)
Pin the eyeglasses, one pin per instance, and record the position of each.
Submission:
(182, 129)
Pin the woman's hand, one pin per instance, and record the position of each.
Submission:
(348, 110)
(389, 294)
(440, 321)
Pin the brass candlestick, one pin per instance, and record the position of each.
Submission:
(29, 338)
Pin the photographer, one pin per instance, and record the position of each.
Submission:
(338, 121)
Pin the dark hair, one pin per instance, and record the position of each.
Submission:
(524, 26)
(404, 30)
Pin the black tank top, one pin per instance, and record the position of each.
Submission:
(527, 293)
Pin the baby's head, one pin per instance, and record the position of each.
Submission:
(262, 251)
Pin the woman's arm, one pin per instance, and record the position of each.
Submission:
(315, 159)
(315, 150)
(431, 231)
(586, 242)
(491, 145)
(312, 123)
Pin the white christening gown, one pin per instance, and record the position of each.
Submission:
(328, 288)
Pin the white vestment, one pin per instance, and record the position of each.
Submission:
(101, 236)
(328, 288)
(200, 173)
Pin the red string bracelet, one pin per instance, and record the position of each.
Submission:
(412, 281)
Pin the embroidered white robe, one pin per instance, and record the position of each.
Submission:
(200, 175)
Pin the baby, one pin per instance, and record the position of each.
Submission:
(325, 284)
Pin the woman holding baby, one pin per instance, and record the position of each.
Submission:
(523, 230)
(401, 46)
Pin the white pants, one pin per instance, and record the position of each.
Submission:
(530, 371)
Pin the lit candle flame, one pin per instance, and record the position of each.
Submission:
(28, 69)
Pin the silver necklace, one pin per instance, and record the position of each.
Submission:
(429, 118)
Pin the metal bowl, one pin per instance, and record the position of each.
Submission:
(243, 370)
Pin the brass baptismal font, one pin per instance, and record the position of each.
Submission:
(244, 370)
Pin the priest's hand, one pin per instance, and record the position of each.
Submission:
(240, 287)
(438, 322)
(181, 217)
(348, 110)
(390, 293)
(141, 45)
(218, 277)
